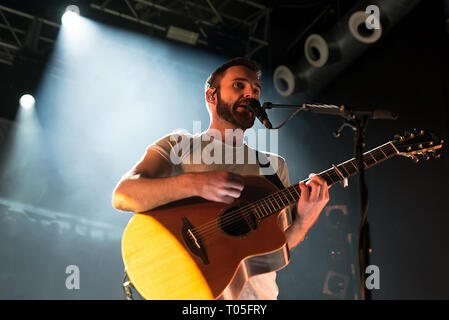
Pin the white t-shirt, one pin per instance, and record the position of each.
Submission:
(201, 152)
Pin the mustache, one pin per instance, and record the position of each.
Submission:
(241, 103)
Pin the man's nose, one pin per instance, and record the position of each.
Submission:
(249, 93)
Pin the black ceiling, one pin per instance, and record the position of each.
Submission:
(271, 32)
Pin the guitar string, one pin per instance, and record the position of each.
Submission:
(205, 230)
(234, 222)
(233, 226)
(218, 231)
(281, 196)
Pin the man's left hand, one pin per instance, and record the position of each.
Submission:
(314, 197)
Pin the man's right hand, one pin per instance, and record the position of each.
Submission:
(219, 186)
(150, 184)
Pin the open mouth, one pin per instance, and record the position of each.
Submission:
(242, 108)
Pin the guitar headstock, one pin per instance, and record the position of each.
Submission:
(418, 144)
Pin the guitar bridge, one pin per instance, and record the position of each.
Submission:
(192, 241)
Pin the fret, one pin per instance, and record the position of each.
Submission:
(293, 198)
(283, 198)
(348, 169)
(331, 180)
(345, 170)
(288, 196)
(391, 150)
(369, 160)
(378, 156)
(294, 188)
(341, 176)
(335, 176)
(266, 212)
(396, 151)
(257, 212)
(273, 202)
(268, 205)
(355, 167)
(282, 201)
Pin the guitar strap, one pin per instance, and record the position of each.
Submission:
(274, 178)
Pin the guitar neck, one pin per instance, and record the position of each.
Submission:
(290, 196)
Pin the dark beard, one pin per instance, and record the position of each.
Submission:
(227, 112)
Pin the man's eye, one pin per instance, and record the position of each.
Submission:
(239, 85)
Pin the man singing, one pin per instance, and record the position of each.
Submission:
(162, 176)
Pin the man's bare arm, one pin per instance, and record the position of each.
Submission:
(314, 197)
(149, 185)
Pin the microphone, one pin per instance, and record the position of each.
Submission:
(254, 105)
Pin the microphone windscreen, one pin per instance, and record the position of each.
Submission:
(253, 105)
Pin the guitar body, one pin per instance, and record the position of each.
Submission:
(162, 261)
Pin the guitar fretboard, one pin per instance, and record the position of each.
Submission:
(290, 196)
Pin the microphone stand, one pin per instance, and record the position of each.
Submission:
(357, 120)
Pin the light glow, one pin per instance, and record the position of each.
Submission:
(71, 17)
(27, 101)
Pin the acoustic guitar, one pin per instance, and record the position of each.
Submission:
(199, 249)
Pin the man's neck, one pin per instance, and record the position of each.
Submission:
(229, 134)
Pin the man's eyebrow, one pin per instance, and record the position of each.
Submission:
(245, 79)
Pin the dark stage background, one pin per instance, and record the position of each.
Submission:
(406, 72)
(55, 190)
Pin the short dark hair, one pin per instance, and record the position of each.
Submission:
(215, 77)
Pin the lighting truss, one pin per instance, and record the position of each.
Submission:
(218, 24)
(231, 26)
(23, 32)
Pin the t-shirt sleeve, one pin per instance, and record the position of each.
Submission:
(170, 146)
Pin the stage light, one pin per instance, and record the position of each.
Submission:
(27, 101)
(284, 80)
(316, 50)
(358, 27)
(70, 18)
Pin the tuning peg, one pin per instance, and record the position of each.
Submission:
(398, 137)
(426, 156)
(415, 159)
(408, 134)
(416, 132)
(436, 155)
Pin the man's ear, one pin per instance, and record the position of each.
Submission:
(211, 95)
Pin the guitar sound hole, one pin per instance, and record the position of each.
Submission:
(236, 223)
